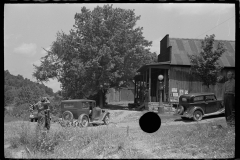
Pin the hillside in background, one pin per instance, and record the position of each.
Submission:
(19, 90)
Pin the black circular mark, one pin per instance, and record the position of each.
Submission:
(150, 122)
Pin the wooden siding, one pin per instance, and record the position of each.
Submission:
(181, 79)
(126, 95)
(119, 95)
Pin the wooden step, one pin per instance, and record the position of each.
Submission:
(141, 106)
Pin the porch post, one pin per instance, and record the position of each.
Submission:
(143, 79)
(134, 90)
(149, 89)
(146, 78)
(137, 89)
(165, 82)
(140, 93)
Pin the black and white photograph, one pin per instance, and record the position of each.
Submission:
(119, 80)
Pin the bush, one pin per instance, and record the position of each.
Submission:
(21, 111)
(55, 108)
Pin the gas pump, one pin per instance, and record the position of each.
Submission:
(161, 87)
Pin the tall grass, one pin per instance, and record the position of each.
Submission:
(35, 140)
(199, 140)
(71, 142)
(182, 141)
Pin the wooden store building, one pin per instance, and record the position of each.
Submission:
(174, 65)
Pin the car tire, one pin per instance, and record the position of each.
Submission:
(197, 115)
(83, 120)
(106, 119)
(31, 120)
(67, 116)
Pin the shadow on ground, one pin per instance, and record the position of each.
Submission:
(116, 107)
(179, 119)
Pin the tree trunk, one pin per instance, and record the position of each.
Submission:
(101, 99)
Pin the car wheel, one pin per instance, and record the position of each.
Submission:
(67, 116)
(197, 115)
(31, 120)
(106, 119)
(83, 120)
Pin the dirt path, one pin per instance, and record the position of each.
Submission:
(119, 116)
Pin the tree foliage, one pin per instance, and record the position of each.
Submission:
(205, 65)
(104, 49)
(18, 90)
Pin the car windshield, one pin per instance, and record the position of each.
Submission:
(85, 104)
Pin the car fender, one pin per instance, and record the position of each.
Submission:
(193, 109)
(104, 115)
(81, 115)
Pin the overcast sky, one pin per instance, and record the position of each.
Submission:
(30, 27)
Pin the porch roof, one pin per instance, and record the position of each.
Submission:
(163, 65)
(138, 77)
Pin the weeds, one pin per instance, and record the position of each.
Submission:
(69, 142)
(38, 141)
(186, 141)
(201, 140)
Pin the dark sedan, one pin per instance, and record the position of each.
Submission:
(199, 105)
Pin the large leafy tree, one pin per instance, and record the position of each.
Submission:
(205, 65)
(104, 49)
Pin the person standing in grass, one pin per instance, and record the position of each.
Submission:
(229, 98)
(43, 106)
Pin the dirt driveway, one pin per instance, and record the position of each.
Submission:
(123, 118)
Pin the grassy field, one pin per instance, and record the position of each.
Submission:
(199, 140)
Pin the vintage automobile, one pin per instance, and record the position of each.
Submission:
(85, 111)
(198, 105)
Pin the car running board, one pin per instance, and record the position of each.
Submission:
(215, 113)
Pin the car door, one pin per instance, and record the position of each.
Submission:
(211, 104)
(198, 101)
(85, 107)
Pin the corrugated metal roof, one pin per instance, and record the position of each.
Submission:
(181, 48)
